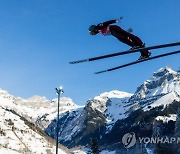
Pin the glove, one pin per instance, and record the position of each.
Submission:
(119, 19)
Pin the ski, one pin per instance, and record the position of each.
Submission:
(138, 61)
(126, 52)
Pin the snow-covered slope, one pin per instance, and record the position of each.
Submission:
(18, 137)
(100, 102)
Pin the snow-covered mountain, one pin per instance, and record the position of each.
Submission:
(35, 107)
(112, 104)
(19, 123)
(80, 122)
(157, 99)
(115, 112)
(106, 117)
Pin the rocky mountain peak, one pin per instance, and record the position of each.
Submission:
(164, 71)
(37, 99)
(101, 101)
(164, 81)
(5, 95)
(64, 101)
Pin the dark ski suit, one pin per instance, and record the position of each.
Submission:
(133, 41)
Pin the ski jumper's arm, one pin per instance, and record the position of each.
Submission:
(105, 24)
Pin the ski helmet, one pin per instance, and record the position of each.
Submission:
(93, 30)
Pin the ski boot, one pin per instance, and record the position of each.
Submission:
(144, 55)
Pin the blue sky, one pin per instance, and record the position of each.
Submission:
(39, 37)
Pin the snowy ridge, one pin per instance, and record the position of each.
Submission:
(36, 106)
(163, 81)
(37, 109)
(162, 89)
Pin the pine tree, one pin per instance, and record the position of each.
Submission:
(94, 148)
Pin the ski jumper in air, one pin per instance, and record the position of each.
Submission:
(106, 28)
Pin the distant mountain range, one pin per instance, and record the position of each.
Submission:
(106, 117)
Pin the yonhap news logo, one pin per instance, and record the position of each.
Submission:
(129, 140)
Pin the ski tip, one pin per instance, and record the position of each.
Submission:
(72, 62)
(100, 72)
(79, 61)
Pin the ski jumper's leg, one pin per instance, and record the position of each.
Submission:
(121, 35)
(127, 38)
